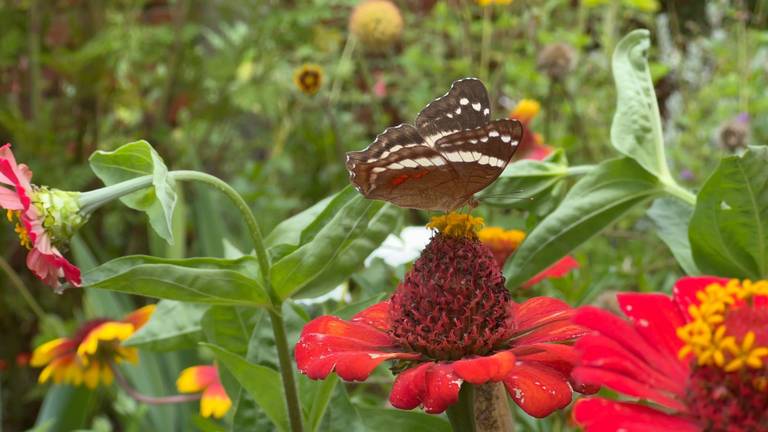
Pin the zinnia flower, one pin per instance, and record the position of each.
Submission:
(532, 146)
(697, 359)
(86, 357)
(451, 321)
(214, 402)
(377, 24)
(503, 243)
(44, 218)
(308, 78)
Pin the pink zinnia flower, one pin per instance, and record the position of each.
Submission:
(451, 321)
(697, 359)
(44, 259)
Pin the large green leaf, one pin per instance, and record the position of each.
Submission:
(231, 327)
(337, 249)
(672, 217)
(636, 130)
(595, 201)
(523, 180)
(174, 325)
(262, 383)
(139, 159)
(200, 280)
(381, 419)
(65, 408)
(729, 228)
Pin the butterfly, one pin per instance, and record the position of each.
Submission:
(452, 151)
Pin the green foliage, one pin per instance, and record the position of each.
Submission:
(729, 228)
(671, 217)
(173, 326)
(526, 182)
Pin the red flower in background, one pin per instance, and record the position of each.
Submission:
(44, 259)
(451, 321)
(532, 146)
(699, 357)
(503, 243)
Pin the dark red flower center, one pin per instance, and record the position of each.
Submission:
(453, 302)
(729, 401)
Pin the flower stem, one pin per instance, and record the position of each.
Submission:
(680, 193)
(150, 400)
(286, 369)
(25, 294)
(462, 413)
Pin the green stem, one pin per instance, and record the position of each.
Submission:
(462, 413)
(680, 193)
(25, 294)
(485, 43)
(286, 369)
(580, 170)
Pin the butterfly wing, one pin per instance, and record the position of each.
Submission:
(465, 106)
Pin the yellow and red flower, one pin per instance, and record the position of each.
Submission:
(532, 146)
(40, 214)
(700, 357)
(504, 243)
(86, 357)
(450, 321)
(214, 401)
(308, 78)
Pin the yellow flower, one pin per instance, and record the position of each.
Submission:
(308, 78)
(377, 24)
(86, 357)
(214, 401)
(456, 225)
(526, 110)
(493, 2)
(501, 242)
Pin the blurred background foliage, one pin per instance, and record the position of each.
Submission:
(211, 85)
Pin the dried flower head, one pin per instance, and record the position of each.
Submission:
(377, 24)
(557, 60)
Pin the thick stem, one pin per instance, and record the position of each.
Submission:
(150, 400)
(286, 369)
(462, 413)
(580, 169)
(492, 413)
(680, 193)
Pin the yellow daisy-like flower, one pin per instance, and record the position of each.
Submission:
(377, 24)
(214, 401)
(526, 110)
(493, 2)
(84, 358)
(501, 242)
(308, 78)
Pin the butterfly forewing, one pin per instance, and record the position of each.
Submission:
(465, 106)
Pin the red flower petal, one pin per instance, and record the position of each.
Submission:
(684, 292)
(562, 358)
(602, 415)
(538, 389)
(480, 370)
(543, 319)
(353, 349)
(625, 335)
(435, 386)
(376, 316)
(556, 270)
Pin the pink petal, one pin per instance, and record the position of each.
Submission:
(684, 292)
(556, 270)
(353, 349)
(480, 370)
(537, 389)
(50, 268)
(603, 415)
(9, 173)
(10, 200)
(435, 386)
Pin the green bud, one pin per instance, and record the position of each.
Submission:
(60, 211)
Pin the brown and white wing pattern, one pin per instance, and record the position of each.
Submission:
(465, 106)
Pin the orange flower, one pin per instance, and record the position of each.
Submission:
(85, 357)
(215, 401)
(532, 146)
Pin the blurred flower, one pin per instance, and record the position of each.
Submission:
(3, 365)
(532, 146)
(734, 134)
(503, 243)
(377, 24)
(687, 175)
(86, 357)
(308, 78)
(451, 320)
(195, 379)
(699, 358)
(398, 250)
(648, 6)
(379, 85)
(44, 218)
(556, 60)
(493, 2)
(22, 359)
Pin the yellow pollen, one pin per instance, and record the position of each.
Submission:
(456, 225)
(706, 336)
(19, 228)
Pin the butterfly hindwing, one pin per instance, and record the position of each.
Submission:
(465, 106)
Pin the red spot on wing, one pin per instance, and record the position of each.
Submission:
(402, 178)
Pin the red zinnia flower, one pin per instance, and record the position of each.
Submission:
(503, 243)
(451, 320)
(21, 200)
(698, 356)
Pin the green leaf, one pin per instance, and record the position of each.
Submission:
(636, 130)
(174, 325)
(231, 327)
(65, 408)
(201, 280)
(595, 201)
(523, 180)
(729, 228)
(139, 159)
(262, 383)
(381, 419)
(337, 249)
(672, 217)
(302, 228)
